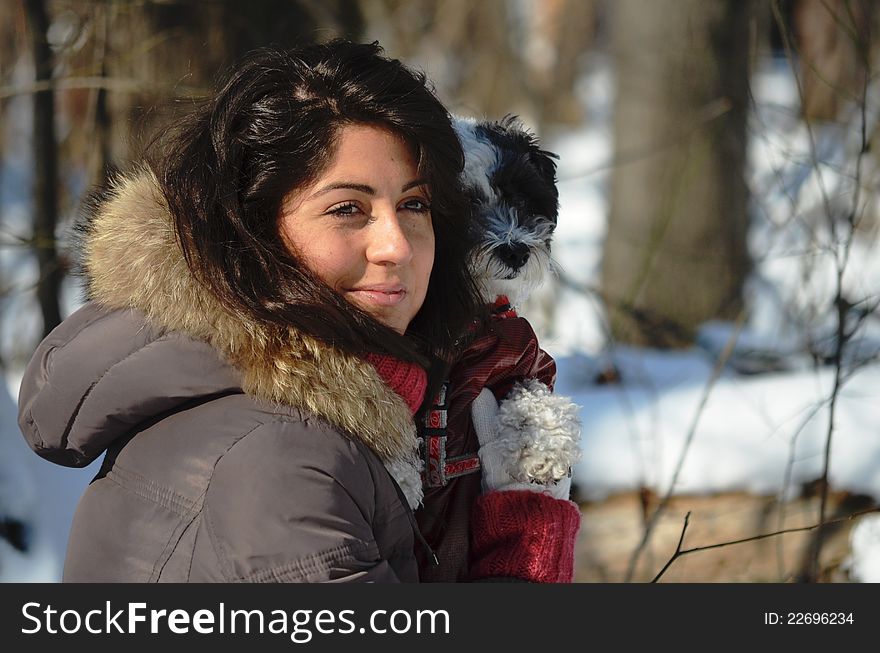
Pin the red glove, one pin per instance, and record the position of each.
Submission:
(524, 526)
(524, 534)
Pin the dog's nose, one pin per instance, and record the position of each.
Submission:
(513, 255)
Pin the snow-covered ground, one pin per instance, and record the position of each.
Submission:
(764, 431)
(41, 495)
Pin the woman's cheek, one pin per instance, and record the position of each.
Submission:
(330, 264)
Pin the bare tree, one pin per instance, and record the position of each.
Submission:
(45, 170)
(675, 253)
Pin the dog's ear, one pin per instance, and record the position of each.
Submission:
(545, 162)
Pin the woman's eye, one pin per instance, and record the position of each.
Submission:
(345, 209)
(417, 205)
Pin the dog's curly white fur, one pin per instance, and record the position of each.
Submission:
(541, 431)
(529, 442)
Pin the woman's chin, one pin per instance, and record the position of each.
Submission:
(393, 319)
(395, 315)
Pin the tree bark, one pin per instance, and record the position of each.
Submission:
(676, 252)
(832, 38)
(45, 171)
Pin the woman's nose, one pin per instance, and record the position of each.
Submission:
(388, 241)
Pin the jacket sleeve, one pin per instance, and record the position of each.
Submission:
(299, 502)
(524, 535)
(517, 335)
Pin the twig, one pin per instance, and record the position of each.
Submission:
(786, 481)
(840, 250)
(709, 112)
(789, 54)
(679, 552)
(710, 385)
(843, 337)
(662, 324)
(598, 297)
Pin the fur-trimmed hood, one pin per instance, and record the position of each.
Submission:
(131, 259)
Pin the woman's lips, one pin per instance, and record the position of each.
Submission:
(390, 296)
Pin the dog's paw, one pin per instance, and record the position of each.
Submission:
(541, 432)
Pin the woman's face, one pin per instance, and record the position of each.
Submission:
(364, 225)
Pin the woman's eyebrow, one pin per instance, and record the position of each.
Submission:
(347, 185)
(414, 183)
(362, 188)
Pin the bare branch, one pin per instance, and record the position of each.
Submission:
(708, 113)
(679, 552)
(116, 84)
(720, 362)
(789, 53)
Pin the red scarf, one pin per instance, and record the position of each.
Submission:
(409, 380)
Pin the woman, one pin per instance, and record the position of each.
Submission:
(265, 302)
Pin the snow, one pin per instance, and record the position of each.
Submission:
(864, 563)
(760, 425)
(42, 494)
(749, 431)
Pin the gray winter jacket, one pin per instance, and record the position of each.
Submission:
(234, 453)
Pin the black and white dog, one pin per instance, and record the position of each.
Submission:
(511, 183)
(532, 438)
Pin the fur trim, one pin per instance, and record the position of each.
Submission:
(132, 260)
(540, 432)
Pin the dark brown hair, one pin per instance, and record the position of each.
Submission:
(271, 129)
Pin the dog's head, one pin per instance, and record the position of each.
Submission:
(511, 183)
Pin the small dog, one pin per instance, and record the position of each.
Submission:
(511, 183)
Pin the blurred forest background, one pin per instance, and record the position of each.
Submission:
(85, 85)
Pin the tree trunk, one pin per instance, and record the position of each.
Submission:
(45, 171)
(676, 252)
(832, 38)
